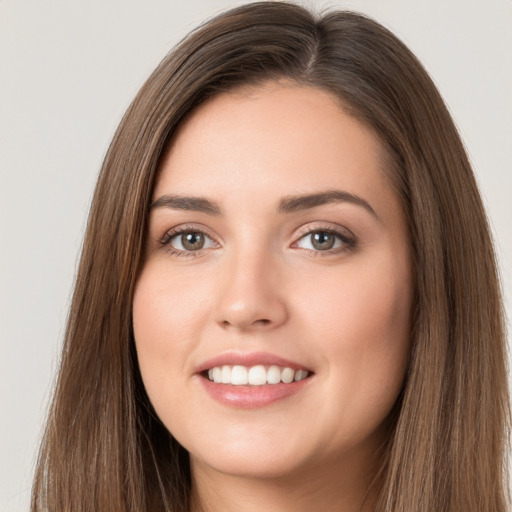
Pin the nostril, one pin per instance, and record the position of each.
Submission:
(250, 312)
(259, 322)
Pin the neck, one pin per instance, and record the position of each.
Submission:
(326, 488)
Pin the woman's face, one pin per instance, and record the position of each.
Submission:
(277, 251)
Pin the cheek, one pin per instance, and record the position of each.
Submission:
(359, 305)
(166, 319)
(361, 321)
(166, 312)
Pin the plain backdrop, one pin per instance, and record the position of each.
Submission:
(68, 70)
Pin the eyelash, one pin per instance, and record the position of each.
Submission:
(173, 233)
(349, 241)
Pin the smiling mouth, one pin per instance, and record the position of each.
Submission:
(259, 375)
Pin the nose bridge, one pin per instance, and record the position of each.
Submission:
(250, 295)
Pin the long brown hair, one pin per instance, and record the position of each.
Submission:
(104, 447)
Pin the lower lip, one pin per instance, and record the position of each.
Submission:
(251, 397)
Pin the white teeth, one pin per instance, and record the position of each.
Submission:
(274, 375)
(225, 376)
(255, 375)
(239, 376)
(300, 374)
(287, 375)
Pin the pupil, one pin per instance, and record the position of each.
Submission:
(322, 240)
(193, 241)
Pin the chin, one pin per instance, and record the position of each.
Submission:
(242, 466)
(250, 459)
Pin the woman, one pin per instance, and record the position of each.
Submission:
(287, 295)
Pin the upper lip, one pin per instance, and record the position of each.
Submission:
(249, 359)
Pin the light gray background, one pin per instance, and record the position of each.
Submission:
(68, 70)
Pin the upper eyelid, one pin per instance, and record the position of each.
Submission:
(183, 228)
(305, 230)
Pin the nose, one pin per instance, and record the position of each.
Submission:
(251, 294)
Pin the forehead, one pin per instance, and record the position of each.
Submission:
(268, 140)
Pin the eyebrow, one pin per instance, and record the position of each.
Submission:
(288, 204)
(197, 204)
(291, 204)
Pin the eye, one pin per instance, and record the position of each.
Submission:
(325, 240)
(186, 241)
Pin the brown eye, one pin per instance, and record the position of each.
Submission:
(325, 240)
(190, 241)
(322, 240)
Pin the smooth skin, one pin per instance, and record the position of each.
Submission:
(327, 286)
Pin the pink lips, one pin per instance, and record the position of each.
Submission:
(249, 397)
(250, 359)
